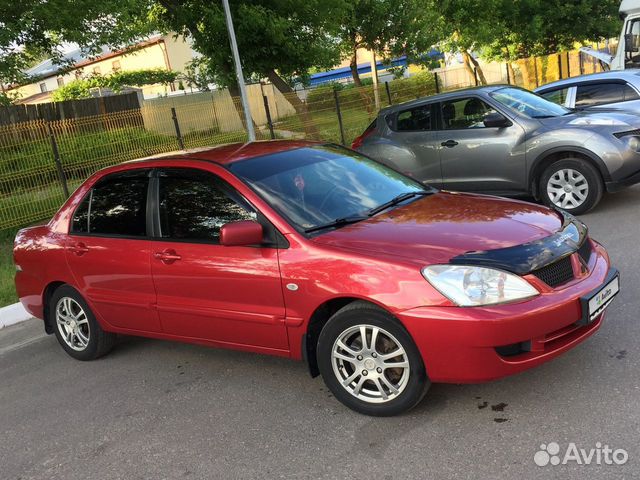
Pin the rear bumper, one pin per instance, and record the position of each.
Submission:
(459, 344)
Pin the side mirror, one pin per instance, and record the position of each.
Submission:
(629, 42)
(242, 233)
(495, 119)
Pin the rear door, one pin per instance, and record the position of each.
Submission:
(413, 129)
(232, 295)
(477, 158)
(109, 249)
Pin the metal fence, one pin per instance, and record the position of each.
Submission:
(42, 161)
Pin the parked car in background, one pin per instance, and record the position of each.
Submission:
(605, 90)
(315, 252)
(508, 141)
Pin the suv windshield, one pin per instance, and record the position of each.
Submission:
(528, 103)
(324, 185)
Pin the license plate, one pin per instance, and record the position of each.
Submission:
(597, 302)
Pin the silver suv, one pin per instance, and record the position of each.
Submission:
(508, 141)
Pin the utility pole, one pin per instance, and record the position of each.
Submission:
(374, 76)
(236, 61)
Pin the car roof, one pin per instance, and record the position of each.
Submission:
(231, 152)
(631, 75)
(443, 96)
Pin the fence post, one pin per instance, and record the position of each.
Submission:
(335, 96)
(535, 69)
(580, 63)
(437, 82)
(56, 158)
(386, 87)
(506, 66)
(568, 64)
(177, 127)
(268, 113)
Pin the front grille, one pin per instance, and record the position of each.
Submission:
(556, 273)
(585, 250)
(626, 134)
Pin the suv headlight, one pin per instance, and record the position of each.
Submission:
(597, 121)
(469, 286)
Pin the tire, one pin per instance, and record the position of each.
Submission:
(76, 327)
(411, 382)
(572, 179)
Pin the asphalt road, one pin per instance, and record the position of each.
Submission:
(154, 409)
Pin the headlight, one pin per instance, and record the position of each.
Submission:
(469, 286)
(598, 121)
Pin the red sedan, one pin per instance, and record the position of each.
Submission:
(312, 251)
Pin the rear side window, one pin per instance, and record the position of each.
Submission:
(194, 205)
(116, 205)
(414, 120)
(558, 96)
(603, 93)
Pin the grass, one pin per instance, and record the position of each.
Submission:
(354, 122)
(7, 270)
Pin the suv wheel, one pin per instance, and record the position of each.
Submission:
(369, 361)
(572, 185)
(75, 326)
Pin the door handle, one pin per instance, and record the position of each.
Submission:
(449, 143)
(167, 256)
(79, 249)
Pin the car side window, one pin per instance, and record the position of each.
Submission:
(195, 204)
(116, 205)
(464, 113)
(414, 120)
(603, 93)
(558, 96)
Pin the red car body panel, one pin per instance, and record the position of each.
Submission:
(265, 297)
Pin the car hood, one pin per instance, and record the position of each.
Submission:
(600, 119)
(436, 228)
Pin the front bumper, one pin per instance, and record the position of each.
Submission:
(459, 344)
(617, 185)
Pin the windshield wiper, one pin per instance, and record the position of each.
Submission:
(396, 200)
(338, 222)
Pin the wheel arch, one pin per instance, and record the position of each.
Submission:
(46, 297)
(318, 320)
(546, 158)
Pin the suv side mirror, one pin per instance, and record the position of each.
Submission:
(629, 42)
(495, 119)
(242, 233)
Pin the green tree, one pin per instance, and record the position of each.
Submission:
(525, 28)
(34, 29)
(389, 28)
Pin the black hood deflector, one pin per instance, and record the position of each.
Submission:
(525, 258)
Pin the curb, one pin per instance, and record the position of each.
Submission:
(13, 314)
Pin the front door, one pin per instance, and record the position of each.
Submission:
(231, 295)
(108, 251)
(478, 158)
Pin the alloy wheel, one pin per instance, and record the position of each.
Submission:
(567, 188)
(370, 363)
(72, 323)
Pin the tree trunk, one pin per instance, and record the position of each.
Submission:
(512, 72)
(482, 78)
(354, 68)
(466, 61)
(301, 109)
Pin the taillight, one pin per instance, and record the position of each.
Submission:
(359, 140)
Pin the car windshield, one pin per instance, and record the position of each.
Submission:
(325, 185)
(530, 104)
